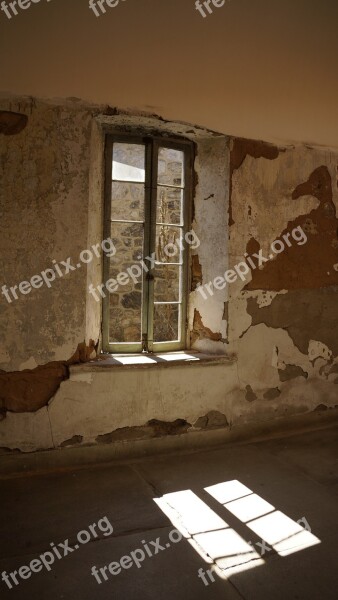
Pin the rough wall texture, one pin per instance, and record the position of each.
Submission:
(284, 317)
(43, 212)
(281, 321)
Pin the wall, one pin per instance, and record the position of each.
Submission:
(44, 217)
(284, 318)
(279, 323)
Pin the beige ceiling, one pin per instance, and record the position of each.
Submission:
(264, 69)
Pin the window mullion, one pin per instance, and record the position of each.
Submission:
(107, 234)
(152, 244)
(146, 251)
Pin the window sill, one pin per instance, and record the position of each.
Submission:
(152, 361)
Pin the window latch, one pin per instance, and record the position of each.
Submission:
(144, 342)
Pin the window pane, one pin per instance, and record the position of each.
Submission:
(171, 167)
(169, 205)
(128, 241)
(125, 285)
(128, 162)
(168, 244)
(127, 201)
(167, 283)
(166, 322)
(124, 325)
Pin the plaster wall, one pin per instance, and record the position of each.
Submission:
(280, 323)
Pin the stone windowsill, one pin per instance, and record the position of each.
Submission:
(158, 360)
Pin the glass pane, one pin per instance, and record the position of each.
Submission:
(125, 283)
(171, 167)
(167, 283)
(124, 325)
(168, 244)
(169, 205)
(128, 241)
(127, 201)
(128, 162)
(166, 322)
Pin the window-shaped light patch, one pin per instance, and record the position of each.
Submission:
(250, 507)
(279, 531)
(228, 491)
(128, 162)
(178, 356)
(134, 360)
(207, 532)
(194, 514)
(227, 548)
(283, 534)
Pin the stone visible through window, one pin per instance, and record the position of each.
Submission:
(147, 214)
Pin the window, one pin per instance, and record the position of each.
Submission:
(147, 215)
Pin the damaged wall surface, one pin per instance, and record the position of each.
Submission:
(280, 322)
(284, 317)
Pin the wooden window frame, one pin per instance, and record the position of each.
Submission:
(152, 144)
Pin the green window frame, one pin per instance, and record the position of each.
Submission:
(161, 212)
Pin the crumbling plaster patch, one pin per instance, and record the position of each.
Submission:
(27, 390)
(319, 350)
(295, 398)
(200, 331)
(211, 226)
(279, 182)
(256, 351)
(287, 372)
(30, 363)
(12, 123)
(212, 420)
(266, 186)
(305, 314)
(310, 264)
(125, 398)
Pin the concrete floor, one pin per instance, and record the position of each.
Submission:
(297, 475)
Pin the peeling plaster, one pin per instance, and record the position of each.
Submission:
(304, 314)
(200, 331)
(319, 350)
(28, 364)
(29, 390)
(309, 265)
(212, 420)
(283, 334)
(12, 123)
(291, 372)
